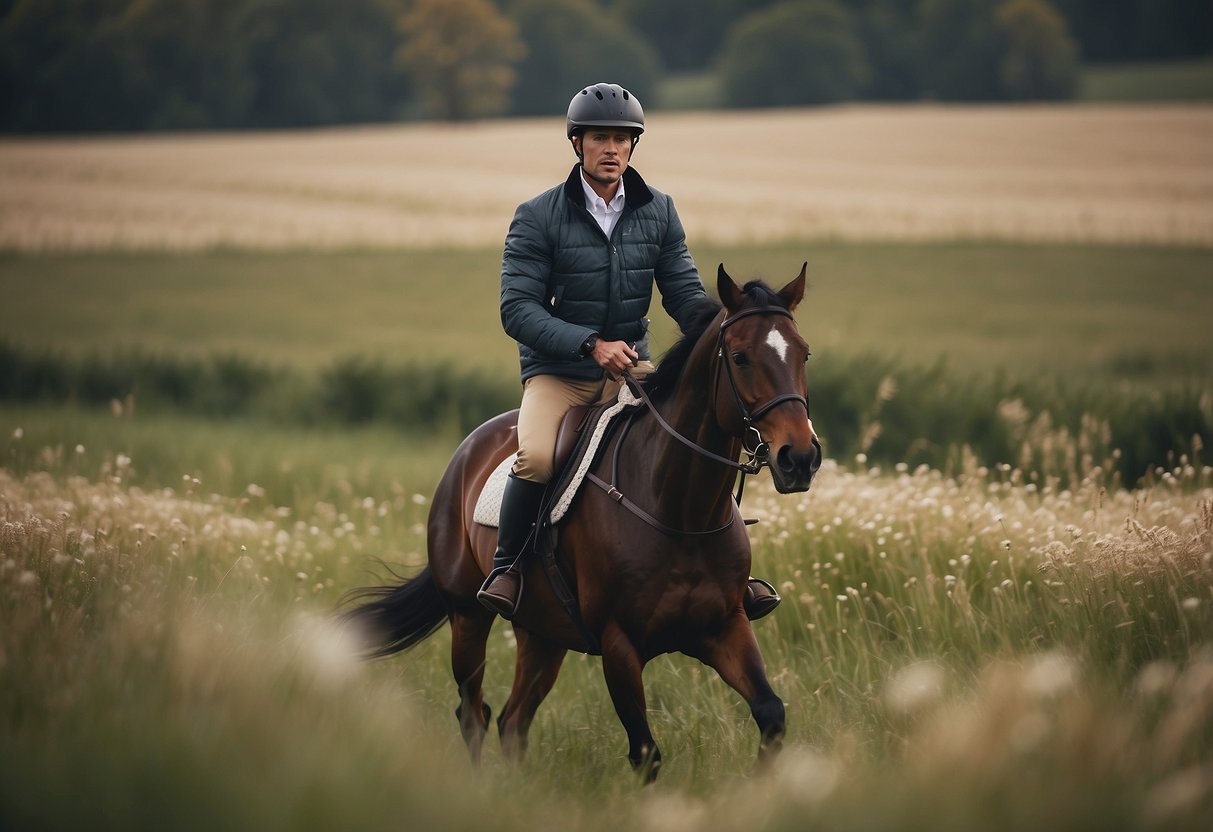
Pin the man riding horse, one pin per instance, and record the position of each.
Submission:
(577, 277)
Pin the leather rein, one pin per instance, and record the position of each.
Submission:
(758, 456)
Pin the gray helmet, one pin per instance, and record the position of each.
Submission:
(605, 105)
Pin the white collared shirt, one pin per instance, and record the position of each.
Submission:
(606, 214)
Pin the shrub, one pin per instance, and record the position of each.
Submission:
(793, 54)
(1040, 59)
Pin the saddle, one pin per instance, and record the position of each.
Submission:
(584, 432)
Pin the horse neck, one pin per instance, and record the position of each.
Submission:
(696, 489)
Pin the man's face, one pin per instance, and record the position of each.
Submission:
(605, 152)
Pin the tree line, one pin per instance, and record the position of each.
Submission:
(106, 65)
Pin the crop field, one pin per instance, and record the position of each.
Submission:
(1095, 173)
(1015, 638)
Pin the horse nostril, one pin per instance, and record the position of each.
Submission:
(786, 460)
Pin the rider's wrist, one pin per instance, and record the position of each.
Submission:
(587, 346)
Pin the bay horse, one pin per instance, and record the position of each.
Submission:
(671, 582)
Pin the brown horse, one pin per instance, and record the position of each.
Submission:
(671, 582)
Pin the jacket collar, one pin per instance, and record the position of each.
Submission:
(636, 192)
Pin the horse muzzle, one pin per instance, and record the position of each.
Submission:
(792, 470)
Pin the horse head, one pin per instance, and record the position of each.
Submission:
(761, 390)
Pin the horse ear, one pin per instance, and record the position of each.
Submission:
(793, 293)
(730, 295)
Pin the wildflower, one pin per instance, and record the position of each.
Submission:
(806, 776)
(18, 433)
(914, 688)
(1050, 675)
(1191, 604)
(255, 490)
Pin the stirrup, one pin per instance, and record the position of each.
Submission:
(500, 604)
(759, 605)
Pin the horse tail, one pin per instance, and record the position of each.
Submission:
(397, 617)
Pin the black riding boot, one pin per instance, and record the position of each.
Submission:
(519, 510)
(760, 599)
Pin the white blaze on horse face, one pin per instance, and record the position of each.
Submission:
(777, 342)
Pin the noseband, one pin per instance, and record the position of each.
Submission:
(760, 451)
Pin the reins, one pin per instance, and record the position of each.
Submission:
(759, 455)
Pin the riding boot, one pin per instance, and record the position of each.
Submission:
(760, 599)
(519, 511)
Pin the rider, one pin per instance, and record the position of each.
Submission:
(576, 281)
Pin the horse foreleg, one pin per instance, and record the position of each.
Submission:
(535, 672)
(623, 668)
(469, 634)
(734, 654)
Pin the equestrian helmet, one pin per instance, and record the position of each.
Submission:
(604, 105)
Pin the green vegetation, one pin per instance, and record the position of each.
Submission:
(1166, 81)
(793, 54)
(962, 644)
(1071, 310)
(914, 362)
(160, 64)
(954, 653)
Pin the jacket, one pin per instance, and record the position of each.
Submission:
(562, 279)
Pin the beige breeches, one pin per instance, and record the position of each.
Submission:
(545, 400)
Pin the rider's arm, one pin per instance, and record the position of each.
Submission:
(526, 267)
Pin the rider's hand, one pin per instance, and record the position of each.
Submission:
(616, 357)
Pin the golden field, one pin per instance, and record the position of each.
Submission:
(1099, 174)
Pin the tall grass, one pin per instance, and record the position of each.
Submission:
(955, 651)
(888, 411)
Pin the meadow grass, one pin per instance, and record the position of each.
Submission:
(1114, 311)
(954, 651)
(1184, 80)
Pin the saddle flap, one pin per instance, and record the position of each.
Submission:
(572, 426)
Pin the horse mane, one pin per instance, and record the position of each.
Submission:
(663, 381)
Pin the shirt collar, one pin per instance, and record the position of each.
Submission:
(593, 200)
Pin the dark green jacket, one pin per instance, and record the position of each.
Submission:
(562, 279)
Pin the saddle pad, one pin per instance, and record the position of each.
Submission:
(488, 504)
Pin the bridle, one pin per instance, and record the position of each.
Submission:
(760, 452)
(758, 455)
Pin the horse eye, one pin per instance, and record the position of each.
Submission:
(739, 358)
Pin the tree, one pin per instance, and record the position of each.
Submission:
(319, 62)
(794, 53)
(960, 49)
(1040, 59)
(1124, 30)
(889, 31)
(686, 34)
(460, 56)
(569, 46)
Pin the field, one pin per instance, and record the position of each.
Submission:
(1010, 643)
(1106, 173)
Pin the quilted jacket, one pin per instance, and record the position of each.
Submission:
(562, 279)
